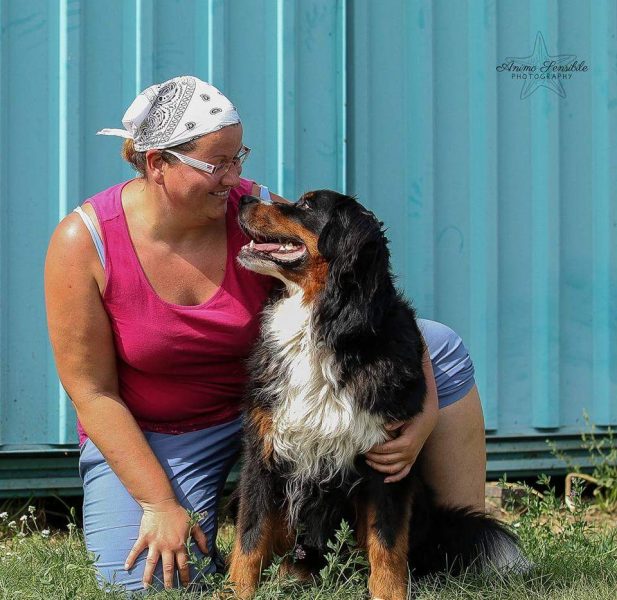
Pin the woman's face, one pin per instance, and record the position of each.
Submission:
(201, 191)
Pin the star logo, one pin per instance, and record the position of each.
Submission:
(538, 60)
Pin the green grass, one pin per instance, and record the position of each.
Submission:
(575, 557)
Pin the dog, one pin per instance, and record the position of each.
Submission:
(339, 356)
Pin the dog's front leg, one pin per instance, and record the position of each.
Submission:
(251, 554)
(383, 529)
(260, 527)
(255, 528)
(253, 550)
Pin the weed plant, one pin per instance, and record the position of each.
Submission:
(602, 453)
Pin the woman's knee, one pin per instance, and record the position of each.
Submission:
(112, 520)
(110, 531)
(453, 458)
(452, 365)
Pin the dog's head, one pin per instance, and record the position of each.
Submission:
(328, 246)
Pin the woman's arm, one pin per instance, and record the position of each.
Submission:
(82, 342)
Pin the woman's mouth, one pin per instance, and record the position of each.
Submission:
(222, 194)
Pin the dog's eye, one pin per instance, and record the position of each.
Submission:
(302, 203)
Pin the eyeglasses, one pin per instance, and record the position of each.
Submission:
(218, 171)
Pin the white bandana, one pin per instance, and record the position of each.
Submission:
(176, 111)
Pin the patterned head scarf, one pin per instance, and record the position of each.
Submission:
(174, 112)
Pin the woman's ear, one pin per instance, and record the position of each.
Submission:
(155, 166)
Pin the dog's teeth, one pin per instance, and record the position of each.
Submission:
(252, 244)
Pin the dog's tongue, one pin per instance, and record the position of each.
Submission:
(266, 247)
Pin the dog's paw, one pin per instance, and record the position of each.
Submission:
(229, 593)
(297, 570)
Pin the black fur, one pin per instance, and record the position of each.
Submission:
(359, 292)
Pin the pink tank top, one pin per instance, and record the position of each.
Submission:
(180, 368)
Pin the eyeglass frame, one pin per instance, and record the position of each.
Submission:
(236, 161)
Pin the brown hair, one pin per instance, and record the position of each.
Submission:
(137, 159)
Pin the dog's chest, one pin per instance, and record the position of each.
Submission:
(317, 425)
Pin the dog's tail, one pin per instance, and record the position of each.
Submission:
(454, 540)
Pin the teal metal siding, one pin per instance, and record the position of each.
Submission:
(501, 211)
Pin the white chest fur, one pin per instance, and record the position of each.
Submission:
(317, 427)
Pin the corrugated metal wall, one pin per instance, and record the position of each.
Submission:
(501, 210)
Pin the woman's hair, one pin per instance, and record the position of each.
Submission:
(138, 159)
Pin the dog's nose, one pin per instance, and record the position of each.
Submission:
(247, 199)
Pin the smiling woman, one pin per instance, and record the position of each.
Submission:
(150, 333)
(151, 326)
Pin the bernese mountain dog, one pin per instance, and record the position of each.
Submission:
(339, 356)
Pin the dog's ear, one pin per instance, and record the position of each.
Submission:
(359, 284)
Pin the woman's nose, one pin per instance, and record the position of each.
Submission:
(232, 177)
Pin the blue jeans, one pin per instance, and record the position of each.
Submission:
(197, 464)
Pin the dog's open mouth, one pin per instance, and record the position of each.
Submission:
(281, 250)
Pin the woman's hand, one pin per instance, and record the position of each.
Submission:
(397, 456)
(164, 530)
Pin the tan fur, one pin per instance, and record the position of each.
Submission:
(269, 222)
(245, 569)
(388, 578)
(263, 421)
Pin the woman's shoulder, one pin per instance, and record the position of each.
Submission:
(71, 242)
(71, 233)
(71, 250)
(107, 203)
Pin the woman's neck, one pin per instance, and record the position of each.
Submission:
(158, 218)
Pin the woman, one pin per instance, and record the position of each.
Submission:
(150, 325)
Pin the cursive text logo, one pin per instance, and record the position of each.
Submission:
(540, 69)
